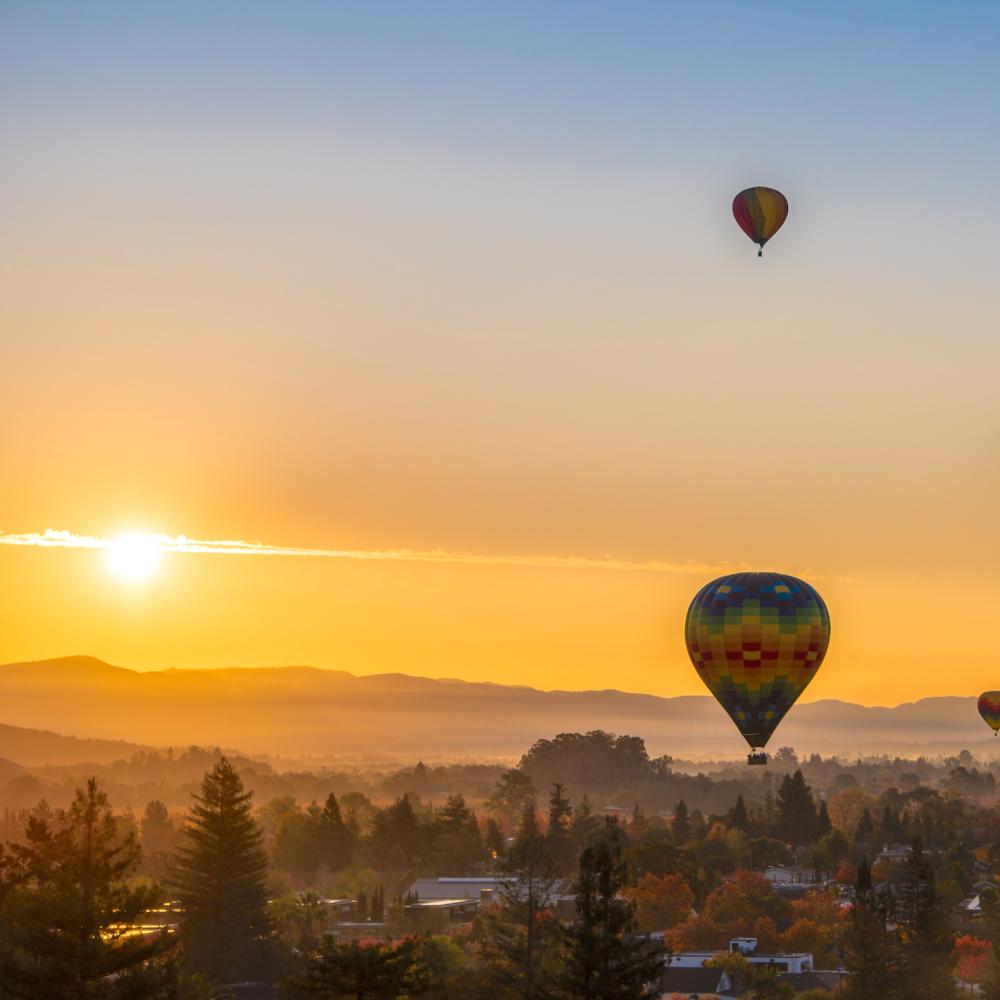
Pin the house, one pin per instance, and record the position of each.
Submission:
(791, 962)
(693, 984)
(895, 854)
(789, 875)
(479, 888)
(475, 890)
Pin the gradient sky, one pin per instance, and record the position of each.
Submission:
(463, 276)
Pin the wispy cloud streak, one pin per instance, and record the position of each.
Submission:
(52, 539)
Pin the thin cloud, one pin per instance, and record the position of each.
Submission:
(53, 539)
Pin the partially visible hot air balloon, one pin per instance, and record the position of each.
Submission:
(757, 640)
(989, 709)
(760, 213)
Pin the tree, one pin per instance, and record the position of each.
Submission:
(521, 933)
(796, 820)
(738, 818)
(597, 760)
(823, 824)
(680, 825)
(868, 945)
(925, 942)
(970, 955)
(494, 839)
(333, 840)
(454, 816)
(585, 825)
(864, 830)
(604, 960)
(218, 875)
(557, 839)
(513, 791)
(356, 971)
(159, 837)
(397, 826)
(72, 914)
(661, 902)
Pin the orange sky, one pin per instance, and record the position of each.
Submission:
(427, 313)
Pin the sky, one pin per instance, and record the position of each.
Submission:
(463, 279)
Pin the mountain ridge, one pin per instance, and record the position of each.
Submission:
(301, 710)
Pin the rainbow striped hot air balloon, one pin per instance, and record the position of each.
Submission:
(989, 709)
(760, 212)
(757, 640)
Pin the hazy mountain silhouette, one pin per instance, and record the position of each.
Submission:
(303, 710)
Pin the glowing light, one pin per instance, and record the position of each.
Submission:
(133, 558)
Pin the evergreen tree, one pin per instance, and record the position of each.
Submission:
(584, 824)
(680, 825)
(823, 824)
(378, 905)
(355, 971)
(868, 945)
(738, 818)
(925, 941)
(72, 914)
(361, 907)
(494, 839)
(521, 933)
(333, 846)
(454, 815)
(864, 830)
(796, 819)
(218, 875)
(397, 825)
(557, 836)
(604, 960)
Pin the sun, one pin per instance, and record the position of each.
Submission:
(133, 558)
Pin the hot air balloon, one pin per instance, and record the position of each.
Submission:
(757, 640)
(760, 212)
(989, 709)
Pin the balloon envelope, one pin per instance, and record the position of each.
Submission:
(757, 640)
(989, 709)
(760, 212)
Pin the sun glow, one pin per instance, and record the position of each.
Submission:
(133, 558)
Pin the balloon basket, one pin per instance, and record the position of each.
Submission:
(757, 757)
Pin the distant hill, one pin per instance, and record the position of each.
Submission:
(38, 748)
(303, 710)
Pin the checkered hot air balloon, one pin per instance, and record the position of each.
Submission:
(757, 640)
(760, 212)
(989, 709)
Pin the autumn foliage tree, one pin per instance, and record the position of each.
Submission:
(661, 902)
(971, 955)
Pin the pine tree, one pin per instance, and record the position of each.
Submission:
(521, 933)
(738, 818)
(925, 941)
(604, 960)
(680, 825)
(864, 829)
(868, 944)
(454, 815)
(356, 971)
(218, 875)
(823, 824)
(557, 836)
(796, 820)
(494, 839)
(584, 824)
(333, 845)
(74, 913)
